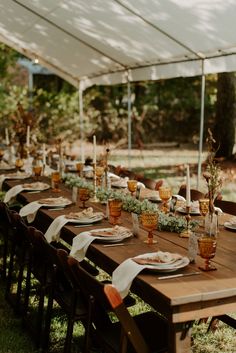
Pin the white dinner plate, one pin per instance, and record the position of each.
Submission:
(21, 175)
(192, 212)
(94, 219)
(183, 261)
(230, 226)
(38, 186)
(55, 202)
(109, 235)
(7, 167)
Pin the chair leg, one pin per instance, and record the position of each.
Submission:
(69, 334)
(47, 325)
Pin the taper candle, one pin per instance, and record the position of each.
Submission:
(7, 136)
(188, 197)
(94, 150)
(28, 136)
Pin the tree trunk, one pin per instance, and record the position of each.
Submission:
(224, 130)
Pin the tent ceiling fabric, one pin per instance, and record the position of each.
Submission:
(98, 41)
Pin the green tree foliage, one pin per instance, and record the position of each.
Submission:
(161, 111)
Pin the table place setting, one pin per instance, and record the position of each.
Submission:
(17, 175)
(82, 241)
(123, 183)
(15, 190)
(160, 262)
(31, 209)
(86, 217)
(231, 224)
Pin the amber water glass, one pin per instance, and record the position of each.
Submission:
(207, 250)
(149, 221)
(37, 170)
(56, 178)
(19, 163)
(203, 208)
(99, 173)
(132, 186)
(80, 169)
(165, 195)
(84, 195)
(115, 207)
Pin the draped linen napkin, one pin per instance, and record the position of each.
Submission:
(2, 178)
(11, 193)
(53, 231)
(124, 275)
(30, 210)
(80, 245)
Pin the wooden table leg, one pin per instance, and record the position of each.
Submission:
(180, 338)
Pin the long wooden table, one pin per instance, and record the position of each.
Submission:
(180, 300)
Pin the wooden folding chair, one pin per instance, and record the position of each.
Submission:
(226, 206)
(194, 194)
(143, 333)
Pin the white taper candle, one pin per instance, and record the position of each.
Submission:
(94, 150)
(188, 197)
(28, 136)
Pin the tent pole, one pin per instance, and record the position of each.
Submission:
(201, 126)
(129, 123)
(81, 121)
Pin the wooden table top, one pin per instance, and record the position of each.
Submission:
(179, 299)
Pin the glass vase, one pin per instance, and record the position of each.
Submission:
(211, 224)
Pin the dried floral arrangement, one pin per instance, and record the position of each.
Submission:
(212, 174)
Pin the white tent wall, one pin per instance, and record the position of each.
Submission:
(99, 41)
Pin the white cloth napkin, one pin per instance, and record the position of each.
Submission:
(11, 193)
(53, 231)
(2, 178)
(124, 274)
(80, 245)
(30, 210)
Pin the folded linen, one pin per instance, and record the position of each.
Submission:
(53, 231)
(30, 210)
(11, 193)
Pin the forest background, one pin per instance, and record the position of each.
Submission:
(162, 111)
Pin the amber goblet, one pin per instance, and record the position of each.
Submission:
(80, 169)
(84, 195)
(19, 163)
(203, 208)
(55, 178)
(165, 195)
(1, 154)
(132, 186)
(99, 170)
(207, 250)
(149, 221)
(115, 207)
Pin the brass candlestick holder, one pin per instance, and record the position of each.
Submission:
(94, 198)
(187, 232)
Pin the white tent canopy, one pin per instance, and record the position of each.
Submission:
(98, 41)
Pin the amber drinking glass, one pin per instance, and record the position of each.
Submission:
(99, 173)
(165, 195)
(149, 221)
(132, 186)
(80, 169)
(56, 178)
(207, 250)
(84, 195)
(203, 208)
(19, 163)
(1, 154)
(115, 207)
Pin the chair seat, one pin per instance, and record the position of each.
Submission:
(151, 326)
